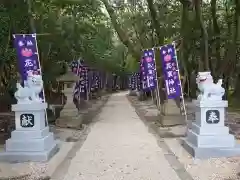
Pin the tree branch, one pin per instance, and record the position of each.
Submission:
(121, 34)
(156, 24)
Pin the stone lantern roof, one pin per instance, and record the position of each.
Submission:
(68, 77)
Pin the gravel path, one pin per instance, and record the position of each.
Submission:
(119, 147)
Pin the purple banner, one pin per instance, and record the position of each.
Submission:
(93, 78)
(28, 59)
(133, 81)
(138, 79)
(83, 82)
(97, 80)
(75, 65)
(27, 53)
(81, 87)
(171, 71)
(90, 79)
(142, 73)
(148, 71)
(130, 81)
(101, 79)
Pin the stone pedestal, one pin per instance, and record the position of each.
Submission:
(171, 115)
(208, 137)
(31, 141)
(69, 116)
(69, 108)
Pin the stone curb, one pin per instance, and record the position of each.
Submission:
(25, 177)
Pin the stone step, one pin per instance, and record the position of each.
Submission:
(210, 130)
(206, 153)
(19, 134)
(32, 145)
(25, 156)
(207, 141)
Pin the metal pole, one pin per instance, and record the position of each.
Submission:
(78, 83)
(87, 85)
(180, 83)
(152, 96)
(40, 69)
(157, 93)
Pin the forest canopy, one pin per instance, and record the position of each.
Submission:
(110, 35)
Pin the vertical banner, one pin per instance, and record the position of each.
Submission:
(93, 79)
(27, 53)
(133, 81)
(102, 78)
(81, 87)
(97, 80)
(148, 70)
(90, 74)
(75, 66)
(130, 82)
(171, 71)
(28, 57)
(138, 79)
(84, 82)
(142, 74)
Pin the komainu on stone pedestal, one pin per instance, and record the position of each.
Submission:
(31, 90)
(208, 136)
(31, 141)
(208, 89)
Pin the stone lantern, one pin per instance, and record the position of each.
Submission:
(68, 81)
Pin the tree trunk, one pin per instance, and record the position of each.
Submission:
(236, 42)
(156, 24)
(203, 32)
(217, 43)
(226, 86)
(121, 33)
(30, 14)
(184, 43)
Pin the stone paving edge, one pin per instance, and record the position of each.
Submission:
(169, 155)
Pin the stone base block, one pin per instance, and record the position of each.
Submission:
(25, 156)
(210, 130)
(172, 120)
(205, 153)
(67, 114)
(210, 141)
(32, 145)
(132, 93)
(20, 135)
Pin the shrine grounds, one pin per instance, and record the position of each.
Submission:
(122, 139)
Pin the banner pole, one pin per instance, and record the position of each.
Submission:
(40, 69)
(152, 96)
(87, 85)
(156, 76)
(79, 86)
(180, 83)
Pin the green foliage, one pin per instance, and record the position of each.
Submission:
(66, 30)
(132, 64)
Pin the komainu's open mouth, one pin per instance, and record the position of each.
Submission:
(201, 80)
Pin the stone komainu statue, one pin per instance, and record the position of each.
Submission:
(208, 89)
(31, 90)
